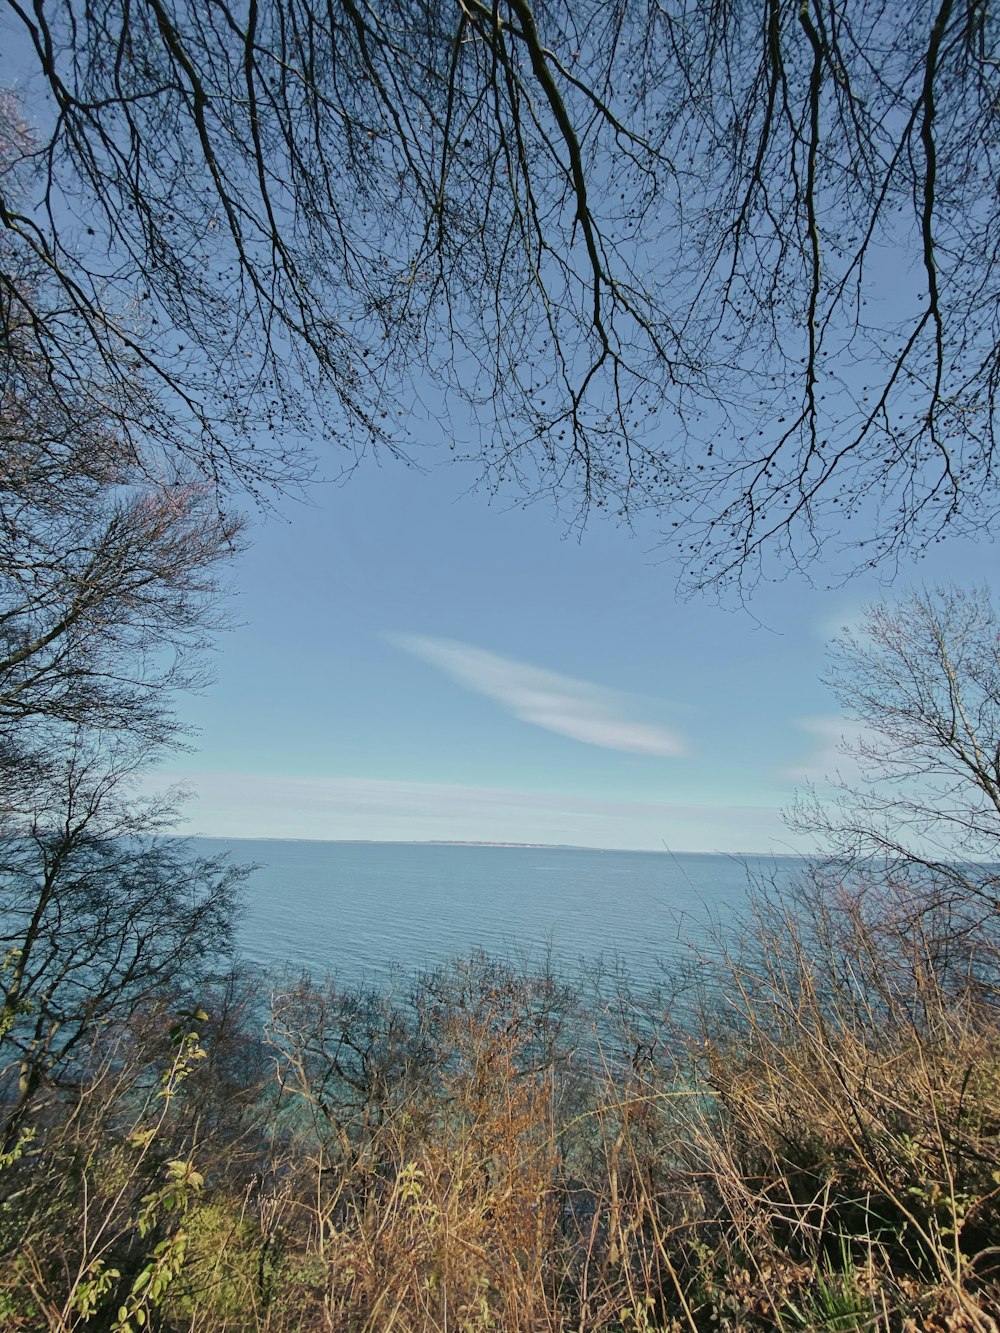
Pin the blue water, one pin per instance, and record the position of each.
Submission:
(363, 911)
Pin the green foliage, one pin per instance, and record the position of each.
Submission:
(838, 1300)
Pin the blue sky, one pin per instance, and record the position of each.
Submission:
(412, 661)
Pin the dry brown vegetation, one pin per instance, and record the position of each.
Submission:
(817, 1149)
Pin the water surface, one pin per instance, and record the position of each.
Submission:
(361, 909)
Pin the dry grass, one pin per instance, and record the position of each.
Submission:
(821, 1150)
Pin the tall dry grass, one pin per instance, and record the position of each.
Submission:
(815, 1146)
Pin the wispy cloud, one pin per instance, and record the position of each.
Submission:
(834, 739)
(848, 618)
(569, 707)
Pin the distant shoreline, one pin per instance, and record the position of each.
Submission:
(457, 842)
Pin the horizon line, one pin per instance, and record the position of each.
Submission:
(477, 842)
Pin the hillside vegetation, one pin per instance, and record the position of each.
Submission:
(800, 1132)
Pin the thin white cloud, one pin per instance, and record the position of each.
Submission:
(569, 707)
(834, 740)
(849, 619)
(263, 805)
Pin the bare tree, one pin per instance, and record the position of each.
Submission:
(729, 262)
(109, 585)
(102, 598)
(99, 919)
(108, 577)
(923, 679)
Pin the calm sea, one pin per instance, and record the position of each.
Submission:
(364, 910)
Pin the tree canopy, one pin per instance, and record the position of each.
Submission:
(733, 263)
